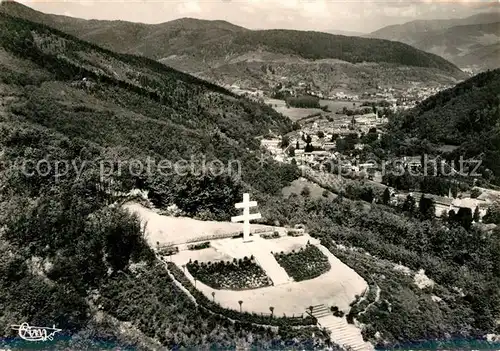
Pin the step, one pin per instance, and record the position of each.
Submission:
(322, 315)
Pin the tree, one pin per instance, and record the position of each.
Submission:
(272, 311)
(305, 191)
(492, 214)
(285, 141)
(213, 296)
(475, 193)
(464, 217)
(320, 134)
(409, 204)
(386, 197)
(426, 207)
(291, 151)
(476, 217)
(240, 302)
(297, 145)
(309, 148)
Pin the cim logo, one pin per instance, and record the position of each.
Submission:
(31, 333)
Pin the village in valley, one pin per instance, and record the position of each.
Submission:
(329, 143)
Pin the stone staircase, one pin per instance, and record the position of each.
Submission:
(342, 333)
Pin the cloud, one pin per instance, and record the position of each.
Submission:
(189, 7)
(351, 15)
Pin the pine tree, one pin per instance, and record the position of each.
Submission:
(476, 217)
(386, 196)
(409, 204)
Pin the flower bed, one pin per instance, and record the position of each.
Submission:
(246, 317)
(295, 233)
(272, 235)
(307, 263)
(168, 250)
(240, 274)
(200, 246)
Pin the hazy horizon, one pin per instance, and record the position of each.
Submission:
(321, 15)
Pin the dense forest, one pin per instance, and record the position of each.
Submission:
(467, 116)
(212, 40)
(316, 45)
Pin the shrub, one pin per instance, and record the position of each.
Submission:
(200, 246)
(273, 235)
(241, 275)
(305, 264)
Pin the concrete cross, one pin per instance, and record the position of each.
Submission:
(246, 217)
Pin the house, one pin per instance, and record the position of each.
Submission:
(329, 145)
(368, 165)
(270, 143)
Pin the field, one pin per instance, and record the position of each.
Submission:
(334, 105)
(297, 186)
(291, 112)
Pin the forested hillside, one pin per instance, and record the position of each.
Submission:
(213, 41)
(470, 42)
(467, 116)
(71, 256)
(316, 45)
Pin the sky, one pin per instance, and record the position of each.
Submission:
(362, 16)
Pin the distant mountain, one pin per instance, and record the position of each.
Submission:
(467, 116)
(345, 32)
(464, 41)
(213, 49)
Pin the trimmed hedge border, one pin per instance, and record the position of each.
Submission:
(243, 317)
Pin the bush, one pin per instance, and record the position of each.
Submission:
(168, 251)
(475, 193)
(305, 264)
(241, 275)
(201, 246)
(273, 235)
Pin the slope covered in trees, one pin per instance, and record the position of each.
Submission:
(316, 45)
(211, 41)
(467, 42)
(467, 116)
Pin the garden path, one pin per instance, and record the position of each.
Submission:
(259, 248)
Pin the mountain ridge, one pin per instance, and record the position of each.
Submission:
(209, 46)
(460, 41)
(466, 116)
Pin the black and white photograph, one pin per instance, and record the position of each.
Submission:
(249, 175)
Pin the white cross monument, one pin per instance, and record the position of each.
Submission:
(246, 217)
